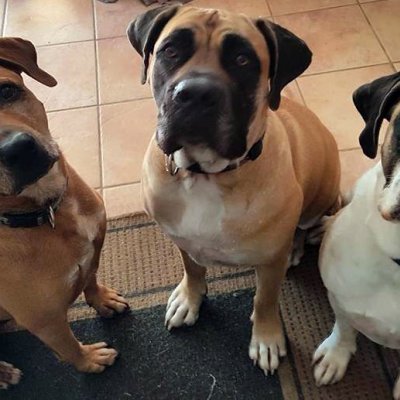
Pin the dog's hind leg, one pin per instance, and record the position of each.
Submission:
(298, 247)
(9, 375)
(107, 302)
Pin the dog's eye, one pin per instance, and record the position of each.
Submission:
(171, 52)
(242, 60)
(9, 92)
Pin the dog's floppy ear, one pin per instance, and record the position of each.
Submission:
(20, 55)
(374, 101)
(144, 31)
(289, 58)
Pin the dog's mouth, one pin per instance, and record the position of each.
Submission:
(205, 159)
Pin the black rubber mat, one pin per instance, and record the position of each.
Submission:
(207, 361)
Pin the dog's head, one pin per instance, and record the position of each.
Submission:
(377, 101)
(27, 151)
(213, 74)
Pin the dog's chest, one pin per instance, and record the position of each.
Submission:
(198, 230)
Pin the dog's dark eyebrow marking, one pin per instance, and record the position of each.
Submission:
(182, 38)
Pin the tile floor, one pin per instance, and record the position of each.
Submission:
(103, 117)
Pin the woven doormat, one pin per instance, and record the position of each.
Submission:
(141, 262)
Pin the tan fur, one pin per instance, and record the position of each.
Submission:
(293, 183)
(42, 269)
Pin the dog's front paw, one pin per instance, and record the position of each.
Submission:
(96, 357)
(331, 360)
(183, 306)
(106, 301)
(8, 375)
(265, 351)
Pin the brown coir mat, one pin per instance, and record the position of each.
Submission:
(207, 361)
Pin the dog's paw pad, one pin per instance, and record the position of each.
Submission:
(8, 375)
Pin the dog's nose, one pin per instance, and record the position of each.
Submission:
(17, 147)
(199, 92)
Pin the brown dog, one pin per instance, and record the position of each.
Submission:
(228, 179)
(52, 224)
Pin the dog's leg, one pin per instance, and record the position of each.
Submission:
(396, 389)
(106, 301)
(298, 247)
(184, 303)
(8, 375)
(334, 353)
(53, 329)
(268, 342)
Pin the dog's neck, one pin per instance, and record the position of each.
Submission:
(48, 188)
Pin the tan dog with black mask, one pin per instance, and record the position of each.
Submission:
(52, 225)
(228, 179)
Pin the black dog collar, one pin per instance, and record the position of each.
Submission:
(254, 152)
(34, 218)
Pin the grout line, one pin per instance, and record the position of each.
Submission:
(316, 9)
(99, 132)
(119, 185)
(81, 41)
(99, 105)
(3, 26)
(301, 93)
(349, 149)
(305, 75)
(270, 11)
(376, 36)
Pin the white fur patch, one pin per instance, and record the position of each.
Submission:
(357, 267)
(199, 230)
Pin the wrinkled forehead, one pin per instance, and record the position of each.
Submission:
(210, 27)
(8, 75)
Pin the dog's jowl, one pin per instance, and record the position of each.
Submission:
(233, 170)
(52, 224)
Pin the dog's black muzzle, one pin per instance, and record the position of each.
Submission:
(25, 158)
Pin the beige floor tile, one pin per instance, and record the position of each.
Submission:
(126, 129)
(122, 200)
(330, 97)
(76, 132)
(292, 92)
(397, 66)
(73, 65)
(279, 7)
(120, 69)
(113, 19)
(253, 8)
(2, 5)
(385, 20)
(353, 163)
(339, 38)
(44, 23)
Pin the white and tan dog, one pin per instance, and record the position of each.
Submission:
(360, 254)
(241, 178)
